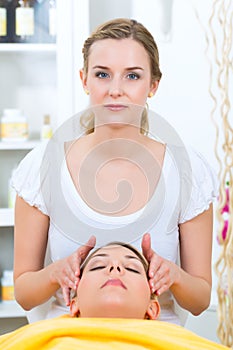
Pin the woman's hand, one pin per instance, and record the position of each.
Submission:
(67, 271)
(162, 273)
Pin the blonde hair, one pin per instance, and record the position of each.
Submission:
(123, 28)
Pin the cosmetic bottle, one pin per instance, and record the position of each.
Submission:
(7, 284)
(46, 129)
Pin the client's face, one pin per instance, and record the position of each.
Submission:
(114, 284)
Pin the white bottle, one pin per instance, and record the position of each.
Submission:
(11, 191)
(7, 283)
(3, 23)
(24, 19)
(52, 18)
(14, 126)
(46, 130)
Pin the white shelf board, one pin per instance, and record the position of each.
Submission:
(28, 47)
(23, 145)
(6, 217)
(11, 309)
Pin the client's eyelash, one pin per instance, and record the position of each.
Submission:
(102, 267)
(132, 270)
(97, 268)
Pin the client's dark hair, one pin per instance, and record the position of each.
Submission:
(121, 244)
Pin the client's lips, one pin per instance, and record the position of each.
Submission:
(115, 107)
(114, 282)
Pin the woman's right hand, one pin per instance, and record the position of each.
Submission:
(66, 271)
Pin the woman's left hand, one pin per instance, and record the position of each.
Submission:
(162, 273)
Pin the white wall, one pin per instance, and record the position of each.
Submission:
(183, 97)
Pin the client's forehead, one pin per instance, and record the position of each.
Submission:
(114, 250)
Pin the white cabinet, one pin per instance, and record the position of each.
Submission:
(28, 82)
(38, 79)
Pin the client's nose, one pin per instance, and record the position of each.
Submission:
(117, 268)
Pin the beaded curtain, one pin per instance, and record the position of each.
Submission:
(219, 52)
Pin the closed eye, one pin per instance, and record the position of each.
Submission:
(97, 268)
(132, 270)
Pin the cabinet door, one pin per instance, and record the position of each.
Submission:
(73, 29)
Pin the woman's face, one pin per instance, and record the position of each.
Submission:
(118, 72)
(113, 284)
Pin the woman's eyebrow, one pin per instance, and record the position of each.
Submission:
(134, 68)
(100, 67)
(128, 68)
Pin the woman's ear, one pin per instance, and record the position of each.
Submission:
(153, 88)
(153, 310)
(74, 308)
(83, 78)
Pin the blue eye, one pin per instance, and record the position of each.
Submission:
(102, 75)
(133, 76)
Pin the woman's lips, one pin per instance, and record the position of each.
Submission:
(114, 282)
(115, 107)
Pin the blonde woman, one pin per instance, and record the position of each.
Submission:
(114, 182)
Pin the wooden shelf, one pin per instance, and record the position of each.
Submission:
(27, 47)
(11, 309)
(23, 145)
(6, 217)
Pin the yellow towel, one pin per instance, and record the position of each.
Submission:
(68, 333)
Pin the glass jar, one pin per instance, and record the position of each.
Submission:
(14, 126)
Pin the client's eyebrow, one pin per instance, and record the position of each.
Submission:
(100, 254)
(107, 255)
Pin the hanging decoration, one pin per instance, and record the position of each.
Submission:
(219, 52)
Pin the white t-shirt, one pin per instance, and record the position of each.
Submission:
(185, 189)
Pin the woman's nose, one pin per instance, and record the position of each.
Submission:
(115, 88)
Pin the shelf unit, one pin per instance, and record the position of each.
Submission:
(22, 72)
(28, 47)
(39, 79)
(27, 145)
(6, 217)
(11, 309)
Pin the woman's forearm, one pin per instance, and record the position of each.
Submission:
(35, 287)
(191, 292)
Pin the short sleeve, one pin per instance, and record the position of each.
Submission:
(26, 178)
(204, 187)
